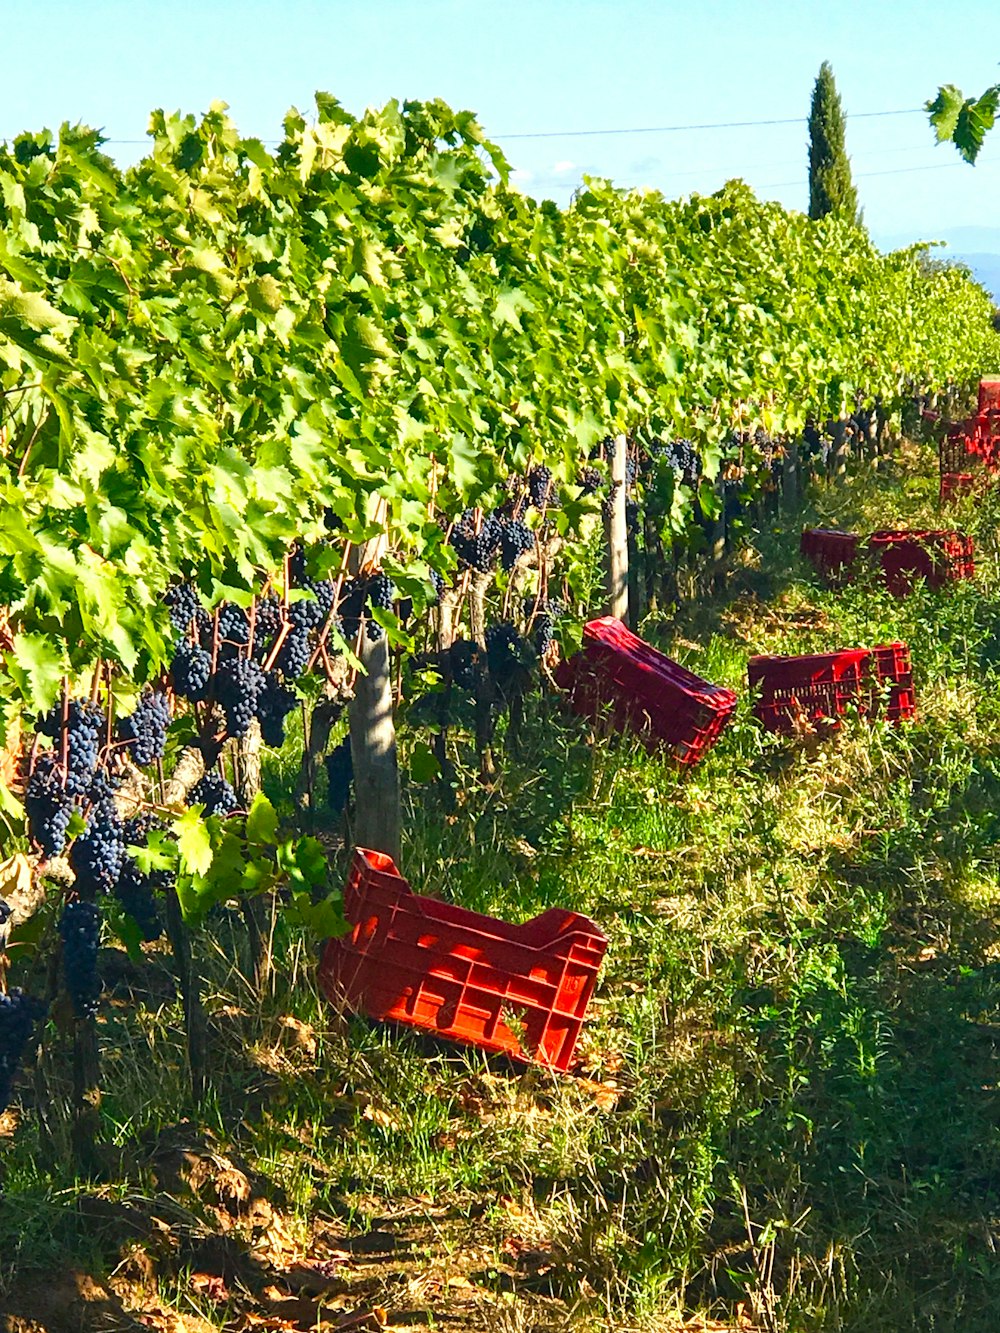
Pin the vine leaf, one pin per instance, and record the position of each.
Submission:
(194, 843)
(36, 666)
(963, 120)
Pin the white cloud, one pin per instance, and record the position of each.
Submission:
(564, 166)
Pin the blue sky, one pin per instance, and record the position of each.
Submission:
(550, 65)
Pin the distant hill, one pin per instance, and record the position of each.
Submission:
(979, 247)
(986, 268)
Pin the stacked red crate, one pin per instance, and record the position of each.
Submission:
(989, 395)
(938, 557)
(794, 692)
(616, 674)
(521, 991)
(831, 552)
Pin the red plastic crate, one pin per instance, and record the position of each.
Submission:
(956, 450)
(616, 674)
(831, 552)
(954, 485)
(989, 395)
(939, 557)
(520, 991)
(794, 691)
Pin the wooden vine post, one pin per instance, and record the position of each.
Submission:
(616, 533)
(377, 820)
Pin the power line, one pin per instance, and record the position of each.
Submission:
(893, 171)
(636, 129)
(679, 129)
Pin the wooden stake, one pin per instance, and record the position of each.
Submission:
(378, 817)
(617, 537)
(377, 823)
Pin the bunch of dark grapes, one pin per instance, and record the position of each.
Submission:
(191, 671)
(682, 457)
(294, 653)
(144, 731)
(98, 853)
(80, 929)
(542, 614)
(604, 449)
(274, 702)
(631, 472)
(18, 1015)
(608, 503)
(632, 512)
(544, 632)
(84, 725)
(238, 682)
(464, 663)
(590, 481)
(540, 486)
(183, 604)
(351, 607)
(204, 624)
(234, 631)
(477, 550)
(516, 539)
(215, 794)
(438, 585)
(135, 889)
(381, 595)
(48, 805)
(504, 648)
(310, 612)
(339, 775)
(267, 622)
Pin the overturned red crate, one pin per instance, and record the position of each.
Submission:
(989, 395)
(938, 557)
(616, 674)
(831, 552)
(792, 692)
(514, 990)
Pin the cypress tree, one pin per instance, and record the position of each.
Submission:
(830, 187)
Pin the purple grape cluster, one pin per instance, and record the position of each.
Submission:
(504, 646)
(238, 683)
(540, 486)
(274, 702)
(98, 854)
(234, 629)
(590, 481)
(465, 663)
(191, 671)
(294, 653)
(144, 731)
(135, 889)
(339, 774)
(215, 794)
(80, 930)
(48, 805)
(183, 604)
(85, 723)
(18, 1015)
(516, 539)
(268, 620)
(381, 596)
(681, 457)
(477, 550)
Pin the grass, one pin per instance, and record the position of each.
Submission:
(789, 1101)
